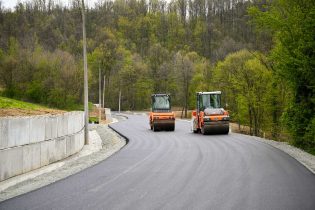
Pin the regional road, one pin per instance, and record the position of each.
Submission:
(181, 170)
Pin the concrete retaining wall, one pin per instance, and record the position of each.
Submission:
(108, 115)
(28, 143)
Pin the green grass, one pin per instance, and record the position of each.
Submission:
(93, 119)
(8, 103)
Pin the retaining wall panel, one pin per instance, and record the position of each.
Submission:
(51, 127)
(52, 151)
(19, 131)
(4, 165)
(4, 136)
(11, 162)
(47, 152)
(29, 150)
(79, 141)
(37, 129)
(60, 148)
(82, 120)
(48, 128)
(54, 127)
(65, 119)
(60, 130)
(17, 161)
(71, 123)
(78, 122)
(31, 157)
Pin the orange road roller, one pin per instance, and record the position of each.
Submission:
(210, 117)
(161, 116)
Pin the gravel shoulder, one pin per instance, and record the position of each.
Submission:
(111, 143)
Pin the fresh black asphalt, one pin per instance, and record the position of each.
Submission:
(181, 170)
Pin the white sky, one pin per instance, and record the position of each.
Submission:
(11, 3)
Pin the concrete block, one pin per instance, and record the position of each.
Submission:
(65, 118)
(31, 157)
(82, 120)
(11, 162)
(108, 114)
(75, 122)
(81, 140)
(70, 145)
(4, 137)
(78, 122)
(4, 165)
(71, 123)
(44, 153)
(19, 131)
(48, 130)
(54, 127)
(37, 128)
(47, 152)
(52, 151)
(78, 141)
(60, 130)
(51, 127)
(60, 148)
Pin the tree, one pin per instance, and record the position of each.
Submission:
(246, 83)
(292, 26)
(184, 69)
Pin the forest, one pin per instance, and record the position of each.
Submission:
(259, 53)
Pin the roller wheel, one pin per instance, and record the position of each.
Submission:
(203, 130)
(194, 126)
(227, 131)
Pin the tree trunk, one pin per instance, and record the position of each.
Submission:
(250, 120)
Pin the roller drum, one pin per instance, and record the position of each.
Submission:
(168, 125)
(219, 127)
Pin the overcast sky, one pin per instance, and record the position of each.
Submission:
(11, 3)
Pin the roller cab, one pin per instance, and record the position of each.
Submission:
(210, 117)
(161, 116)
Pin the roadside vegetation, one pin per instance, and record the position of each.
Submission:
(11, 107)
(259, 53)
(8, 103)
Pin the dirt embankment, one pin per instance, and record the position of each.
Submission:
(24, 112)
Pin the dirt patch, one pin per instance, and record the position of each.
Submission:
(180, 114)
(25, 112)
(240, 128)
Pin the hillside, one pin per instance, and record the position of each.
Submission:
(11, 107)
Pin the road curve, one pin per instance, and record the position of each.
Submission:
(181, 170)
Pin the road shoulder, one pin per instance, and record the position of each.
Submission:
(301, 156)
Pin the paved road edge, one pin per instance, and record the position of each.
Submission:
(63, 169)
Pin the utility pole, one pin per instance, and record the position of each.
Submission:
(119, 101)
(104, 91)
(86, 97)
(99, 95)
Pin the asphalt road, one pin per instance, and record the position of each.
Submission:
(181, 170)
